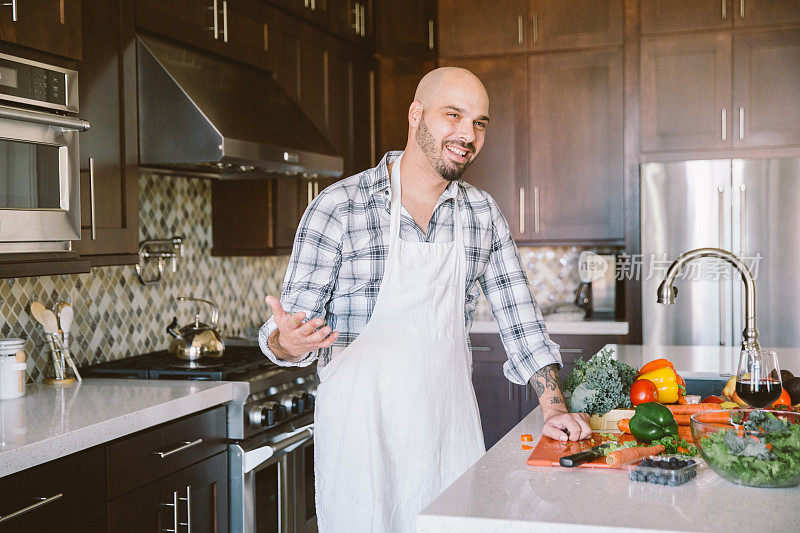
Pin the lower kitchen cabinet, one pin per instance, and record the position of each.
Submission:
(503, 404)
(193, 499)
(66, 491)
(95, 520)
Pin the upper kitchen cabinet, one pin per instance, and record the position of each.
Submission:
(502, 167)
(407, 28)
(397, 82)
(109, 149)
(576, 24)
(766, 88)
(483, 27)
(685, 92)
(239, 29)
(316, 11)
(576, 187)
(52, 26)
(765, 12)
(665, 16)
(353, 20)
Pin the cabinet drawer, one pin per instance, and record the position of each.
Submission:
(62, 488)
(155, 453)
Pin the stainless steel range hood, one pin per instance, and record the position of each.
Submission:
(200, 115)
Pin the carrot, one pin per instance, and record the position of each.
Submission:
(681, 400)
(682, 420)
(620, 458)
(624, 425)
(685, 432)
(692, 408)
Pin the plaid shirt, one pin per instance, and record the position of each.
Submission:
(340, 252)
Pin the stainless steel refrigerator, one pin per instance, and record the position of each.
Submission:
(750, 207)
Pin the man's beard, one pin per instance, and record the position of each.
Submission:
(448, 170)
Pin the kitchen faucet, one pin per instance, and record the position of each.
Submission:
(666, 291)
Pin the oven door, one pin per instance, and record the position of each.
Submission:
(264, 482)
(304, 497)
(39, 187)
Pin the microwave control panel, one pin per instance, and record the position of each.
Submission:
(36, 84)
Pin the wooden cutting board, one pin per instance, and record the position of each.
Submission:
(548, 451)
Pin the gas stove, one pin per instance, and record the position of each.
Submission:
(279, 396)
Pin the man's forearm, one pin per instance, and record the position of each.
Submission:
(545, 383)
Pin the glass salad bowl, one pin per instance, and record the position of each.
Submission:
(754, 447)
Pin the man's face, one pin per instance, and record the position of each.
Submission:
(451, 130)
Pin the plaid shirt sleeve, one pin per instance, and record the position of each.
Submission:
(312, 271)
(522, 327)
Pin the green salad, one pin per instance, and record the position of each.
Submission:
(769, 459)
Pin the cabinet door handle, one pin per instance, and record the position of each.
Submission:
(481, 348)
(430, 34)
(13, 4)
(522, 210)
(724, 10)
(535, 28)
(188, 500)
(356, 18)
(520, 36)
(316, 189)
(536, 210)
(741, 123)
(721, 230)
(313, 5)
(527, 392)
(225, 20)
(91, 197)
(310, 193)
(185, 446)
(742, 220)
(741, 9)
(40, 503)
(363, 20)
(724, 124)
(174, 506)
(571, 350)
(215, 27)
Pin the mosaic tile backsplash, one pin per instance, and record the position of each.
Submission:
(116, 316)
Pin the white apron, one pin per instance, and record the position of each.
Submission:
(396, 419)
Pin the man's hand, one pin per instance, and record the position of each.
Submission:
(293, 338)
(558, 423)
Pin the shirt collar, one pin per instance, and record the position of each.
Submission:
(380, 181)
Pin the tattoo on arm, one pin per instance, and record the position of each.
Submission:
(275, 346)
(546, 379)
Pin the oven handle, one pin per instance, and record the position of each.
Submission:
(255, 458)
(48, 119)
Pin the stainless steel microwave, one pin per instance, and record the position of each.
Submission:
(39, 157)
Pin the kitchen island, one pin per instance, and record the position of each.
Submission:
(500, 492)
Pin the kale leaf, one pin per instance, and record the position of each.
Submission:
(600, 384)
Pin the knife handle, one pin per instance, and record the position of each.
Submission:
(577, 459)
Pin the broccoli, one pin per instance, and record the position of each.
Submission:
(600, 384)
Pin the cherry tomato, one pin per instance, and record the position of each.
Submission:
(642, 391)
(783, 400)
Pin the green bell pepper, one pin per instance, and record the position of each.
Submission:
(652, 421)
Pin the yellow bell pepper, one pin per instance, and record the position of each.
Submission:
(666, 382)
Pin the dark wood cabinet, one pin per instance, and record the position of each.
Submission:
(766, 12)
(95, 520)
(576, 190)
(573, 347)
(502, 166)
(685, 92)
(109, 150)
(407, 28)
(197, 495)
(362, 151)
(52, 26)
(498, 398)
(353, 20)
(64, 488)
(766, 88)
(189, 21)
(485, 27)
(576, 24)
(665, 16)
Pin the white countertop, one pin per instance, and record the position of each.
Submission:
(502, 493)
(49, 423)
(564, 327)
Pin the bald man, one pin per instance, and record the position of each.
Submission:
(381, 287)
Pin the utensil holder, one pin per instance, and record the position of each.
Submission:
(58, 371)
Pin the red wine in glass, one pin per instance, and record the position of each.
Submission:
(759, 394)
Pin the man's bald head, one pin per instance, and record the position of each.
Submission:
(431, 85)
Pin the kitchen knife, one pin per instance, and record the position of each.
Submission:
(577, 459)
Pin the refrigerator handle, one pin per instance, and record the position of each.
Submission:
(721, 208)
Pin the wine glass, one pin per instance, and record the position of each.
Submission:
(758, 380)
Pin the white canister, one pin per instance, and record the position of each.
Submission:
(12, 370)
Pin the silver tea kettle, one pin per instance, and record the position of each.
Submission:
(197, 339)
